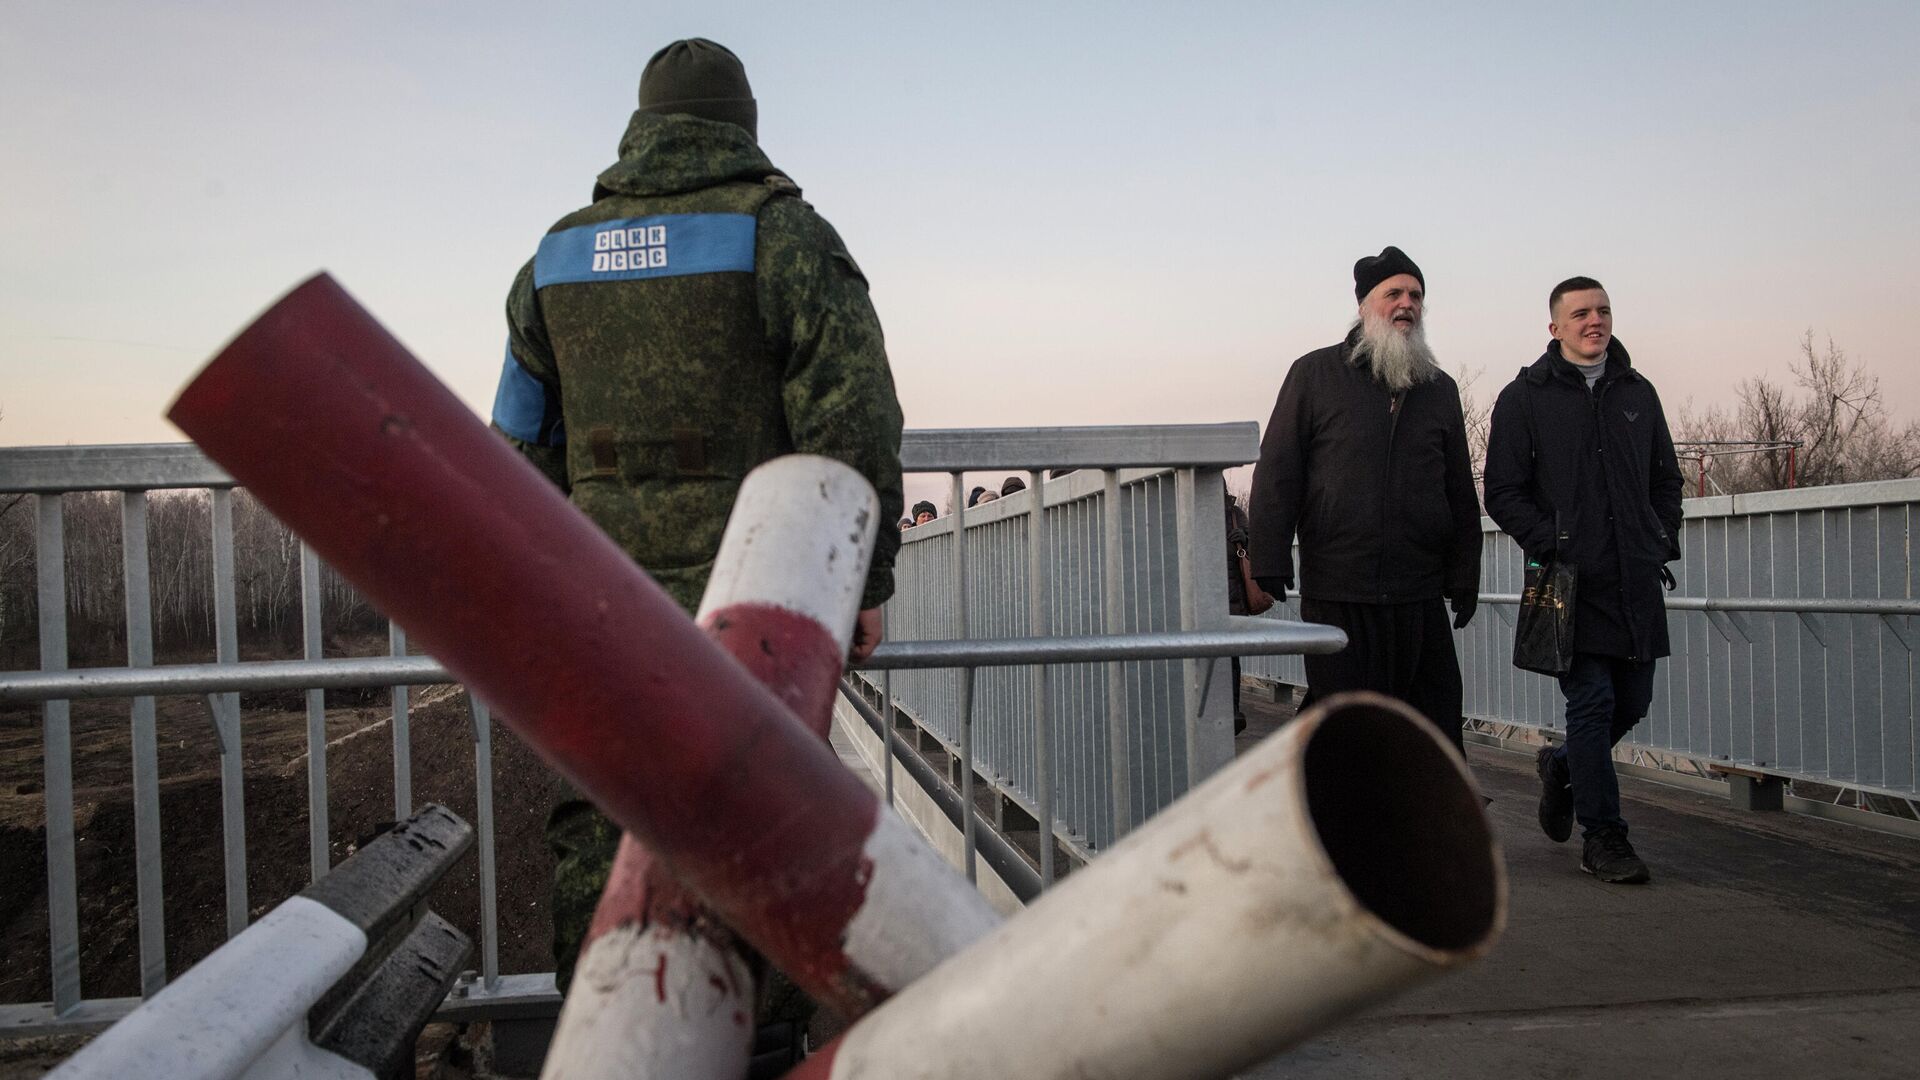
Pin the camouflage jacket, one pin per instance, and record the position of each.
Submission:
(696, 320)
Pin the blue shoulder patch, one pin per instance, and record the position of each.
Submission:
(631, 249)
(524, 408)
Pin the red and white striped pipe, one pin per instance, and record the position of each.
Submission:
(344, 436)
(787, 580)
(662, 987)
(1344, 859)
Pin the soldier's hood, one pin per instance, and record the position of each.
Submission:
(670, 154)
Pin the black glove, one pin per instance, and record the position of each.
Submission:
(1463, 609)
(1276, 587)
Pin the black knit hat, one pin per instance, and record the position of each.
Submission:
(699, 78)
(1375, 269)
(924, 507)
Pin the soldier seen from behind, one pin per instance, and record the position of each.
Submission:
(695, 320)
(1365, 459)
(1581, 469)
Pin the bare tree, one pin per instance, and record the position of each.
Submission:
(1835, 412)
(1479, 415)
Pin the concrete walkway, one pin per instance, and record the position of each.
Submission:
(1767, 945)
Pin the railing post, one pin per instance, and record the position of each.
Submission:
(1200, 523)
(1038, 625)
(1119, 739)
(963, 630)
(63, 903)
(146, 759)
(483, 821)
(226, 710)
(886, 704)
(310, 610)
(402, 740)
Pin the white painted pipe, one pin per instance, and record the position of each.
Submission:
(800, 538)
(241, 1011)
(1346, 858)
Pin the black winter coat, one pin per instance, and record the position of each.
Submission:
(1378, 486)
(1590, 476)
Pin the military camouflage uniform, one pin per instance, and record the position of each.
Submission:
(696, 320)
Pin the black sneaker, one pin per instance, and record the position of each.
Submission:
(1608, 857)
(1556, 796)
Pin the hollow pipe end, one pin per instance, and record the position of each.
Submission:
(1398, 814)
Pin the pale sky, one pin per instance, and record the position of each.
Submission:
(1071, 213)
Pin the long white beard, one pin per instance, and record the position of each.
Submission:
(1399, 360)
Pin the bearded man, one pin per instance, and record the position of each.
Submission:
(1365, 460)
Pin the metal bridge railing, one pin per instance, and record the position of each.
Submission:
(1792, 631)
(1150, 706)
(1130, 540)
(130, 473)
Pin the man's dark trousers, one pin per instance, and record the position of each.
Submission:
(1402, 650)
(1606, 696)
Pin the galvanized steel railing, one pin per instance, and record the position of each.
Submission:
(131, 472)
(1129, 541)
(1792, 632)
(1119, 740)
(1171, 604)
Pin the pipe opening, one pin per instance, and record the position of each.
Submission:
(1403, 827)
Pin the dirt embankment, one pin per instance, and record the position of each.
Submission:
(360, 787)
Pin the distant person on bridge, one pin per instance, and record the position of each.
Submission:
(696, 320)
(1580, 468)
(1365, 458)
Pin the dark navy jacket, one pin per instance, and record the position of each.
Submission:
(1590, 476)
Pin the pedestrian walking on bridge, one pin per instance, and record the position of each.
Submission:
(1365, 458)
(1581, 469)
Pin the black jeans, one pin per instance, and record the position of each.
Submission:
(1606, 696)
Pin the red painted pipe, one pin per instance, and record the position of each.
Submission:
(344, 436)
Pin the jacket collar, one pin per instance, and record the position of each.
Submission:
(1553, 365)
(667, 154)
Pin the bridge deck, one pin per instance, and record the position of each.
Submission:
(1767, 944)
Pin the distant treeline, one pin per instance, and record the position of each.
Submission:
(266, 559)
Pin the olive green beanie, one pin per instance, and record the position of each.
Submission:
(699, 78)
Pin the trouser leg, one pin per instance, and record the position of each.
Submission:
(1632, 695)
(1348, 669)
(1239, 715)
(1431, 683)
(1590, 694)
(583, 842)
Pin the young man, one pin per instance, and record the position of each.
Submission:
(1365, 458)
(1580, 469)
